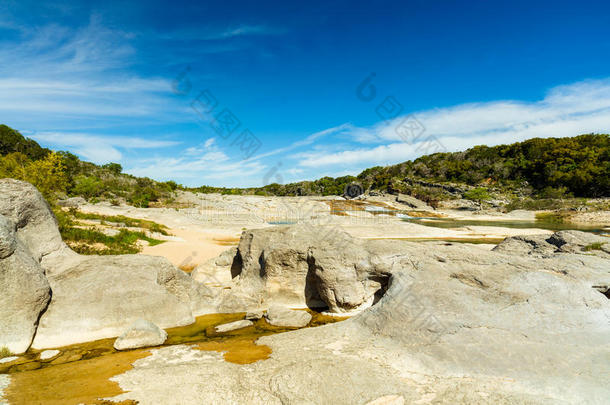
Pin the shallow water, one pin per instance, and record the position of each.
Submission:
(81, 372)
(447, 223)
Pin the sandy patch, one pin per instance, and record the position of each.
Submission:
(192, 246)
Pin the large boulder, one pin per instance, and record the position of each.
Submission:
(458, 324)
(24, 291)
(141, 333)
(305, 266)
(93, 297)
(35, 224)
(102, 295)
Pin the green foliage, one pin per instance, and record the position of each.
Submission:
(555, 193)
(531, 204)
(113, 168)
(88, 240)
(12, 141)
(87, 187)
(555, 217)
(579, 165)
(129, 222)
(478, 194)
(47, 174)
(549, 169)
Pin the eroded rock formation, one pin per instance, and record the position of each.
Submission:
(81, 298)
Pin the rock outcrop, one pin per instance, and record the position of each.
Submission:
(228, 327)
(413, 202)
(93, 297)
(285, 317)
(141, 333)
(305, 266)
(35, 224)
(457, 324)
(559, 242)
(102, 295)
(24, 290)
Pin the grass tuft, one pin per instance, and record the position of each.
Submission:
(5, 352)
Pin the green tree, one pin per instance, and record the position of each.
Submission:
(48, 175)
(113, 167)
(478, 194)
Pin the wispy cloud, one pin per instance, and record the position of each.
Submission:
(78, 76)
(244, 30)
(567, 110)
(199, 165)
(98, 148)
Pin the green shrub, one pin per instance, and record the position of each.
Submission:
(88, 187)
(478, 194)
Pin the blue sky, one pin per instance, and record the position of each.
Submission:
(128, 82)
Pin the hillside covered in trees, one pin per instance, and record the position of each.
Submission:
(64, 174)
(539, 168)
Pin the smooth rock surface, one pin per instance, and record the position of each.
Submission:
(48, 354)
(413, 202)
(281, 316)
(141, 333)
(102, 295)
(304, 266)
(35, 224)
(227, 327)
(8, 242)
(8, 359)
(254, 315)
(72, 202)
(456, 324)
(24, 291)
(559, 242)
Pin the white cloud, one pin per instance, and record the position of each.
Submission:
(58, 74)
(568, 110)
(97, 148)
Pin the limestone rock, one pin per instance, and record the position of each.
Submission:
(576, 241)
(35, 224)
(48, 354)
(526, 244)
(8, 359)
(72, 202)
(102, 295)
(281, 316)
(413, 202)
(227, 327)
(559, 242)
(141, 333)
(254, 315)
(316, 266)
(216, 271)
(24, 291)
(8, 243)
(456, 324)
(388, 400)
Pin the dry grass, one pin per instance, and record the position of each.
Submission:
(5, 352)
